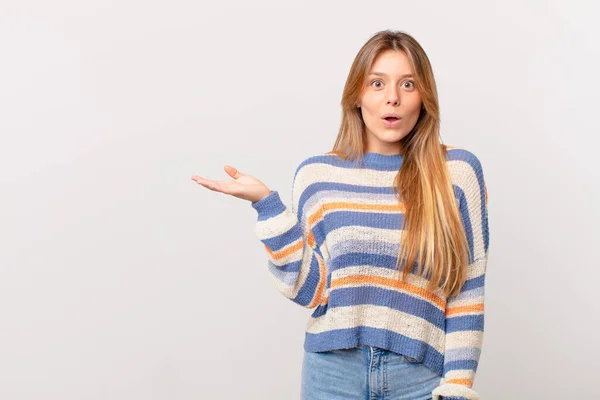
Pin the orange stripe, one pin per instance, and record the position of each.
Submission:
(465, 309)
(317, 215)
(291, 249)
(466, 382)
(322, 280)
(342, 205)
(285, 252)
(389, 282)
(486, 196)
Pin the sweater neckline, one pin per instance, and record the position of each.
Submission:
(382, 160)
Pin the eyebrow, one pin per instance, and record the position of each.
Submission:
(382, 74)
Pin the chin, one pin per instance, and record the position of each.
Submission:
(391, 136)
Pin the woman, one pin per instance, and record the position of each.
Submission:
(387, 239)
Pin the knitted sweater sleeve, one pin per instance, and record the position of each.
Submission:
(464, 312)
(290, 237)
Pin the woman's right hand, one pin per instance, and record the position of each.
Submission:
(242, 186)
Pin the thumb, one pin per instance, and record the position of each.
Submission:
(234, 173)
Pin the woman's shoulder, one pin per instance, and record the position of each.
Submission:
(313, 168)
(461, 157)
(316, 162)
(322, 157)
(465, 168)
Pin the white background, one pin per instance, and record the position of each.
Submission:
(120, 278)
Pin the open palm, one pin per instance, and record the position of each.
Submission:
(242, 186)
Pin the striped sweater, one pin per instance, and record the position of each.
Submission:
(335, 251)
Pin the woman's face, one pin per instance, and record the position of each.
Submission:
(389, 89)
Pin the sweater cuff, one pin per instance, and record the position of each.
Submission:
(454, 391)
(269, 206)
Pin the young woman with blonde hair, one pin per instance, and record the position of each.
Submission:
(387, 240)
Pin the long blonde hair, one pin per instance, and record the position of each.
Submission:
(432, 224)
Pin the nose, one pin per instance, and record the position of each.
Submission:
(393, 97)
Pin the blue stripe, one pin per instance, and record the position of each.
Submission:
(280, 271)
(474, 283)
(371, 259)
(378, 296)
(464, 213)
(461, 364)
(381, 220)
(346, 187)
(390, 164)
(465, 323)
(308, 290)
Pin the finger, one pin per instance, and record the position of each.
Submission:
(213, 185)
(234, 173)
(227, 187)
(198, 178)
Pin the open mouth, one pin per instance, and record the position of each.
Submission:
(391, 121)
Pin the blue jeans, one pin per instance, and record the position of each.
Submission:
(365, 373)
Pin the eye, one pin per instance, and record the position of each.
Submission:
(376, 80)
(412, 84)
